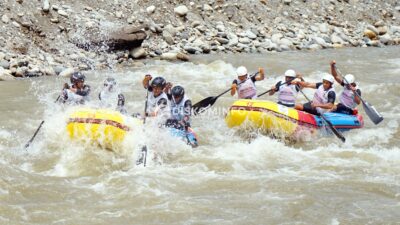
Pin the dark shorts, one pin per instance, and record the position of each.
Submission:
(307, 108)
(287, 105)
(340, 108)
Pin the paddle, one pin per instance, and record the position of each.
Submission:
(209, 101)
(37, 130)
(336, 132)
(143, 156)
(370, 110)
(265, 92)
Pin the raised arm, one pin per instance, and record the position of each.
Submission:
(260, 75)
(334, 73)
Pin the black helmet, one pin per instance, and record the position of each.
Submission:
(110, 82)
(178, 91)
(77, 76)
(158, 82)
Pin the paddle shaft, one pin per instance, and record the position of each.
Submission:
(144, 148)
(37, 130)
(209, 101)
(145, 106)
(336, 132)
(265, 92)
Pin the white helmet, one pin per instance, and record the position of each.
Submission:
(349, 78)
(241, 71)
(110, 83)
(328, 78)
(290, 73)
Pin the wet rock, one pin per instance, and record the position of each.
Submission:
(374, 43)
(20, 72)
(48, 71)
(182, 56)
(169, 56)
(138, 53)
(192, 50)
(314, 47)
(5, 75)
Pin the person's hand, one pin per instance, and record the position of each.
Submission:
(334, 107)
(73, 89)
(66, 86)
(148, 77)
(352, 87)
(234, 87)
(261, 70)
(333, 63)
(168, 86)
(296, 82)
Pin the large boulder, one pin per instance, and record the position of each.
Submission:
(125, 38)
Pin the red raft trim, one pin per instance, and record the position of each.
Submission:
(99, 121)
(310, 122)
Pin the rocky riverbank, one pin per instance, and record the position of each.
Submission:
(50, 37)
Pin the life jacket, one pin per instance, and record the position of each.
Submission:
(347, 98)
(178, 109)
(247, 89)
(153, 107)
(321, 97)
(70, 97)
(287, 94)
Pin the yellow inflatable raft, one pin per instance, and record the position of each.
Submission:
(281, 120)
(266, 115)
(98, 126)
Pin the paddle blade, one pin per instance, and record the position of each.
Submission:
(203, 105)
(372, 113)
(333, 129)
(142, 157)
